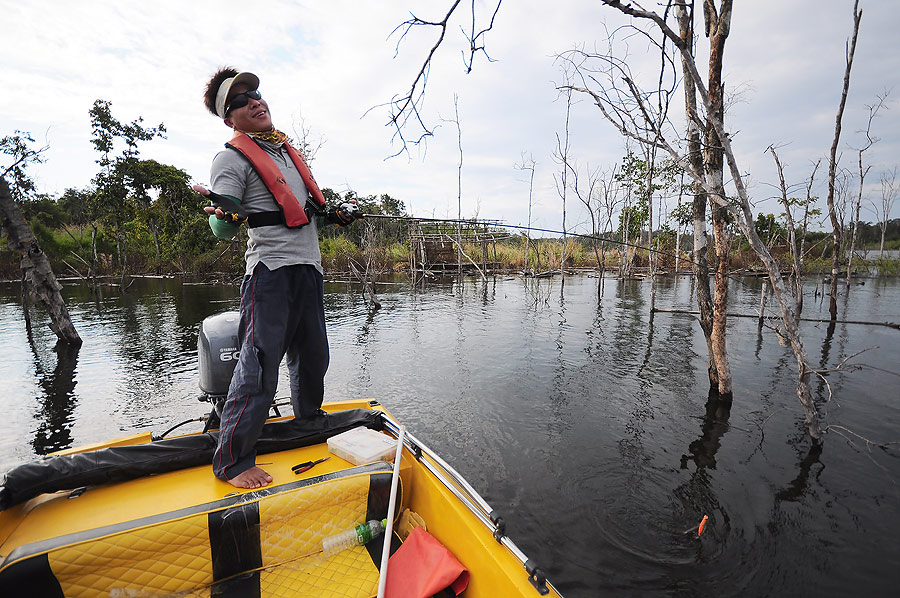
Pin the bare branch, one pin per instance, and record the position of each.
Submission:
(869, 443)
(406, 109)
(842, 366)
(474, 38)
(308, 147)
(792, 229)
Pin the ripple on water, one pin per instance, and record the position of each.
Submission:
(582, 422)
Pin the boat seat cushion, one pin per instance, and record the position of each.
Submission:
(266, 542)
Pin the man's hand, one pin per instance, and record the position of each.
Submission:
(208, 209)
(346, 213)
(237, 215)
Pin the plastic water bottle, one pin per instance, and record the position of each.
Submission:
(358, 536)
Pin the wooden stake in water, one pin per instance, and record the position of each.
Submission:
(392, 504)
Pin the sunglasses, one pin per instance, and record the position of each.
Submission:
(242, 99)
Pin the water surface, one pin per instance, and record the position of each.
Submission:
(583, 421)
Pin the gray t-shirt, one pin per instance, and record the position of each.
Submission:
(275, 246)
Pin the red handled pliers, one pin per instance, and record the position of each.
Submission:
(307, 465)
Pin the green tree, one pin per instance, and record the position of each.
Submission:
(642, 184)
(632, 219)
(18, 147)
(769, 229)
(110, 201)
(391, 231)
(168, 209)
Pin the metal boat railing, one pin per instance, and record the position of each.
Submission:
(468, 496)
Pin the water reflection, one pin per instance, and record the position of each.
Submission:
(649, 351)
(585, 422)
(58, 400)
(713, 427)
(697, 496)
(797, 487)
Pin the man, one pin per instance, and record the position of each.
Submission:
(259, 178)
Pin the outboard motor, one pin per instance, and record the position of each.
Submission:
(218, 349)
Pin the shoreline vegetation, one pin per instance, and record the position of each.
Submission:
(342, 256)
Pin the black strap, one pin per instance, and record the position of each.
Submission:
(33, 577)
(235, 550)
(265, 219)
(277, 217)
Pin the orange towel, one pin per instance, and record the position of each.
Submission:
(422, 567)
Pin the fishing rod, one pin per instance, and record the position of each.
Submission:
(359, 214)
(500, 224)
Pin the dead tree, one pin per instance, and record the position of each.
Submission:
(366, 276)
(635, 119)
(837, 228)
(806, 214)
(863, 171)
(36, 269)
(561, 156)
(528, 164)
(405, 109)
(694, 156)
(625, 105)
(889, 192)
(459, 250)
(609, 202)
(792, 233)
(307, 146)
(718, 26)
(586, 196)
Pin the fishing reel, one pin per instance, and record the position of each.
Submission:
(351, 209)
(346, 213)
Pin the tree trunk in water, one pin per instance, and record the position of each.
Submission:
(796, 268)
(701, 274)
(25, 310)
(762, 306)
(565, 159)
(36, 269)
(800, 258)
(700, 266)
(119, 246)
(832, 170)
(854, 227)
(718, 26)
(790, 319)
(94, 244)
(651, 256)
(720, 306)
(718, 145)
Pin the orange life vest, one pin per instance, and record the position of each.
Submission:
(293, 212)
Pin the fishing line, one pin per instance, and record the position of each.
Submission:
(499, 224)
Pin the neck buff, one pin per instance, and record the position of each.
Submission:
(273, 136)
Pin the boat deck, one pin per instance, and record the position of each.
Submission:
(185, 533)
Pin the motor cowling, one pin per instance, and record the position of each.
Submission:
(218, 350)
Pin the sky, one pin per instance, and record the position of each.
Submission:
(331, 66)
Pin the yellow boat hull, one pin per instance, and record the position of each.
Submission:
(185, 533)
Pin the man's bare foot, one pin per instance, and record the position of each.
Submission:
(251, 478)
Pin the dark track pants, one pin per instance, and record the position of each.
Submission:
(282, 314)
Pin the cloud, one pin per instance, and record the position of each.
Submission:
(335, 62)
